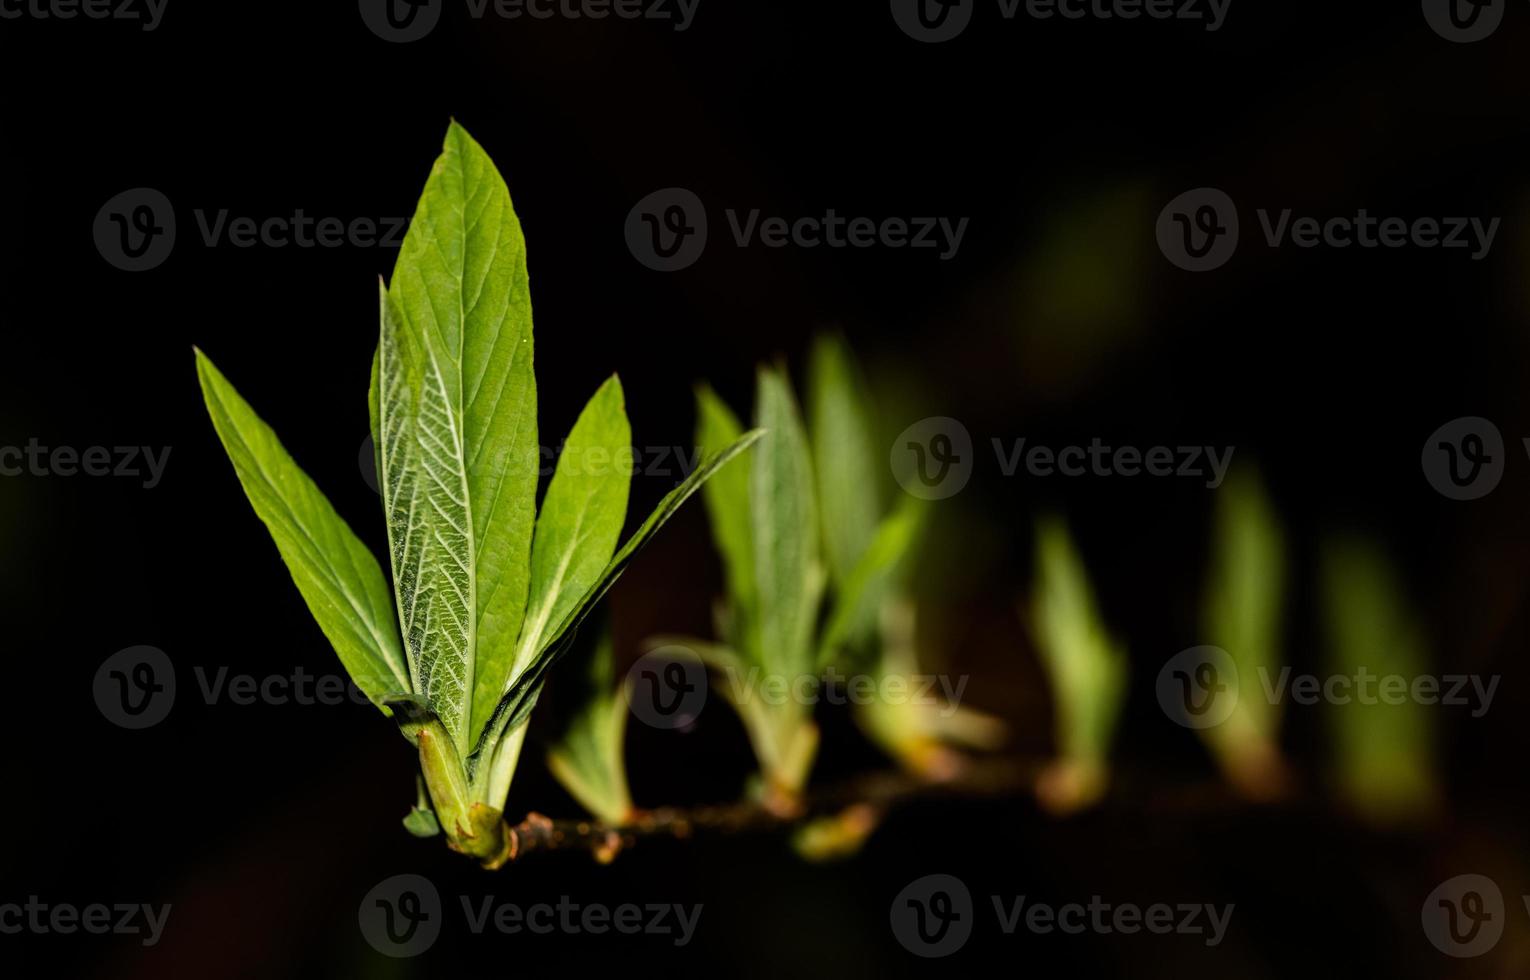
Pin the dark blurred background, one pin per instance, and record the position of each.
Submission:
(1058, 320)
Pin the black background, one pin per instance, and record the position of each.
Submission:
(1058, 320)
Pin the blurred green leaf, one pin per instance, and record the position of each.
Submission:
(922, 734)
(1242, 611)
(1086, 665)
(1384, 754)
(727, 499)
(861, 592)
(587, 755)
(844, 456)
(784, 520)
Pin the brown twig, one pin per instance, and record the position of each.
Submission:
(878, 792)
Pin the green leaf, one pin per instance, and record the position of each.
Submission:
(784, 517)
(844, 454)
(782, 735)
(458, 435)
(866, 584)
(1242, 611)
(727, 499)
(1086, 665)
(1385, 753)
(421, 819)
(515, 706)
(587, 755)
(339, 578)
(582, 517)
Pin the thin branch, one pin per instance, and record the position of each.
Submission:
(871, 795)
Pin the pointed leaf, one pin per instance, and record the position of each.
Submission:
(582, 516)
(1241, 615)
(425, 492)
(784, 517)
(1086, 665)
(844, 456)
(727, 498)
(515, 706)
(458, 430)
(338, 577)
(864, 587)
(1385, 753)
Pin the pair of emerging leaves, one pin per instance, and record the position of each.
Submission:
(804, 518)
(1383, 753)
(487, 591)
(1087, 665)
